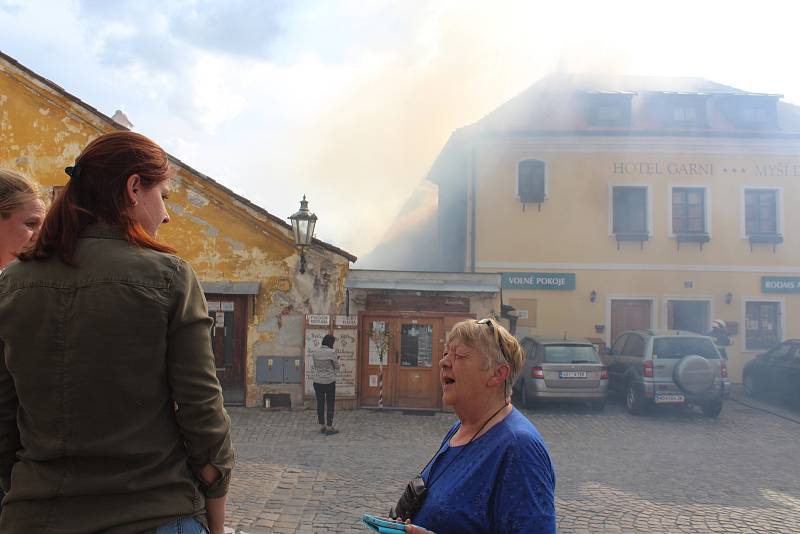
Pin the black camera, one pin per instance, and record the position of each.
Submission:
(411, 501)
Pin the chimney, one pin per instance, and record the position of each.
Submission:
(120, 118)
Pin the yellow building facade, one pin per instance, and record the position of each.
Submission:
(621, 203)
(244, 256)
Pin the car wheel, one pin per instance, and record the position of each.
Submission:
(750, 386)
(711, 409)
(633, 400)
(526, 401)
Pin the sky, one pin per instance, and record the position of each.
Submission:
(349, 102)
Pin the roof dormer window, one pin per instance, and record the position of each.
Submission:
(751, 110)
(606, 114)
(608, 109)
(685, 114)
(684, 110)
(755, 115)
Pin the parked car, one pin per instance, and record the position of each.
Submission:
(561, 369)
(667, 367)
(775, 373)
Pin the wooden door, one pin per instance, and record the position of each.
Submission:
(418, 350)
(629, 315)
(411, 363)
(229, 338)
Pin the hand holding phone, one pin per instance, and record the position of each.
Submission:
(383, 525)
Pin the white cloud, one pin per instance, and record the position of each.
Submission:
(350, 101)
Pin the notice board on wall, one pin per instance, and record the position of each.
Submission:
(345, 345)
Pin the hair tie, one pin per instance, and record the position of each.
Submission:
(73, 172)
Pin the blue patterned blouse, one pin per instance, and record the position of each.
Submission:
(503, 482)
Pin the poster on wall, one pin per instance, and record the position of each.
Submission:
(313, 341)
(345, 345)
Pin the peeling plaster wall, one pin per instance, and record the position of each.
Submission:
(218, 236)
(42, 131)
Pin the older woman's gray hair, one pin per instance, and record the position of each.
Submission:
(492, 340)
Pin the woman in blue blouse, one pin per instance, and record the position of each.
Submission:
(492, 472)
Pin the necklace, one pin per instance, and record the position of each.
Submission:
(447, 441)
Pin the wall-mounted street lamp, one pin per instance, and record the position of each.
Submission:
(303, 223)
(593, 296)
(728, 297)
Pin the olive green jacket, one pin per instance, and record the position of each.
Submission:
(109, 400)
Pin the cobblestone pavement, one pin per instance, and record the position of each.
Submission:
(674, 471)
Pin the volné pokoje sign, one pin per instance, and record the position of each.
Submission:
(547, 281)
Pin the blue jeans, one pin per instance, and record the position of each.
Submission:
(184, 525)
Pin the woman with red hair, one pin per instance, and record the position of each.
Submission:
(111, 415)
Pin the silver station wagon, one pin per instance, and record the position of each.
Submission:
(561, 369)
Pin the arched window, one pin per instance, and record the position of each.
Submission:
(531, 180)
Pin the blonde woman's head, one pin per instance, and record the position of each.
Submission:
(494, 342)
(21, 214)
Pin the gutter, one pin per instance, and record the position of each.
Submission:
(474, 202)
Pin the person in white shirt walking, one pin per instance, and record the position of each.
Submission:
(326, 363)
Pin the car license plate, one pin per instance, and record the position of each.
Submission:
(572, 374)
(669, 398)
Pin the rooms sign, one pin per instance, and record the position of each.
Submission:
(780, 284)
(552, 281)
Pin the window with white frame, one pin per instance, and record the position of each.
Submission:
(630, 206)
(689, 210)
(762, 325)
(531, 184)
(761, 212)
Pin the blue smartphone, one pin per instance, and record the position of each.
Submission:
(384, 525)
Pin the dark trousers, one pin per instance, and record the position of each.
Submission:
(326, 393)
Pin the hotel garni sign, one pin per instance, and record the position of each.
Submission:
(552, 281)
(691, 168)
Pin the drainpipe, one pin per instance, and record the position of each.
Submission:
(507, 312)
(474, 202)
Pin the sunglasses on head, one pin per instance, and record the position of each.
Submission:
(488, 322)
